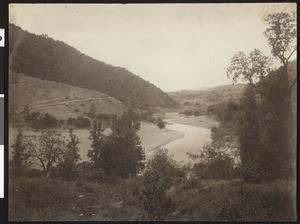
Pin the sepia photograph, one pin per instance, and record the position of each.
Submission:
(152, 112)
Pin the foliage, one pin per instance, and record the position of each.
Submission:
(265, 117)
(39, 121)
(161, 123)
(47, 149)
(68, 164)
(20, 154)
(79, 122)
(160, 173)
(98, 140)
(123, 154)
(54, 60)
(215, 163)
(120, 153)
(251, 68)
(281, 35)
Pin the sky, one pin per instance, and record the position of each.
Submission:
(174, 46)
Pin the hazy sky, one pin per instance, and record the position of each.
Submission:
(174, 46)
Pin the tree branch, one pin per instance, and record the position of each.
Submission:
(291, 54)
(291, 87)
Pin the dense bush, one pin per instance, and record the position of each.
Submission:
(160, 174)
(161, 123)
(40, 121)
(214, 164)
(79, 122)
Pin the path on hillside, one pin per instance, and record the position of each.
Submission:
(67, 101)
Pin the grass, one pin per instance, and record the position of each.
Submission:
(236, 200)
(40, 199)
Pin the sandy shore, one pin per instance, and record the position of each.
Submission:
(152, 137)
(200, 121)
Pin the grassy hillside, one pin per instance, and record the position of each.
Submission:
(59, 99)
(198, 100)
(193, 200)
(42, 57)
(211, 95)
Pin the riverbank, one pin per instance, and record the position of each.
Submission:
(152, 137)
(199, 121)
(182, 134)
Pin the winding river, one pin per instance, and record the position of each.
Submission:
(193, 139)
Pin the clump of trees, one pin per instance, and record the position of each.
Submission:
(37, 120)
(120, 153)
(79, 122)
(50, 151)
(266, 131)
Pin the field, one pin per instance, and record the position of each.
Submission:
(193, 200)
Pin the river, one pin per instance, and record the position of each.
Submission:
(192, 141)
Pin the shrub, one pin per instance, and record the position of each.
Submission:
(160, 174)
(161, 123)
(214, 164)
(79, 122)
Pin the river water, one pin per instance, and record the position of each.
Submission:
(192, 141)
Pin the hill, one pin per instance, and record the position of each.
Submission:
(209, 96)
(58, 99)
(197, 101)
(44, 58)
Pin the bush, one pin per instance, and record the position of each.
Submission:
(79, 122)
(160, 174)
(214, 164)
(161, 123)
(39, 121)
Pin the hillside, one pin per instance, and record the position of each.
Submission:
(197, 101)
(61, 100)
(209, 96)
(44, 58)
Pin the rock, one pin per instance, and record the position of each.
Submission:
(176, 213)
(119, 204)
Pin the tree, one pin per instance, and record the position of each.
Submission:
(251, 68)
(70, 157)
(48, 149)
(97, 137)
(160, 174)
(20, 154)
(92, 112)
(122, 153)
(267, 111)
(281, 35)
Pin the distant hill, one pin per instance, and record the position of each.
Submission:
(209, 96)
(58, 99)
(44, 58)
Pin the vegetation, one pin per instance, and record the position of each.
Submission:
(44, 58)
(266, 119)
(20, 154)
(246, 173)
(79, 122)
(160, 174)
(67, 166)
(39, 121)
(120, 153)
